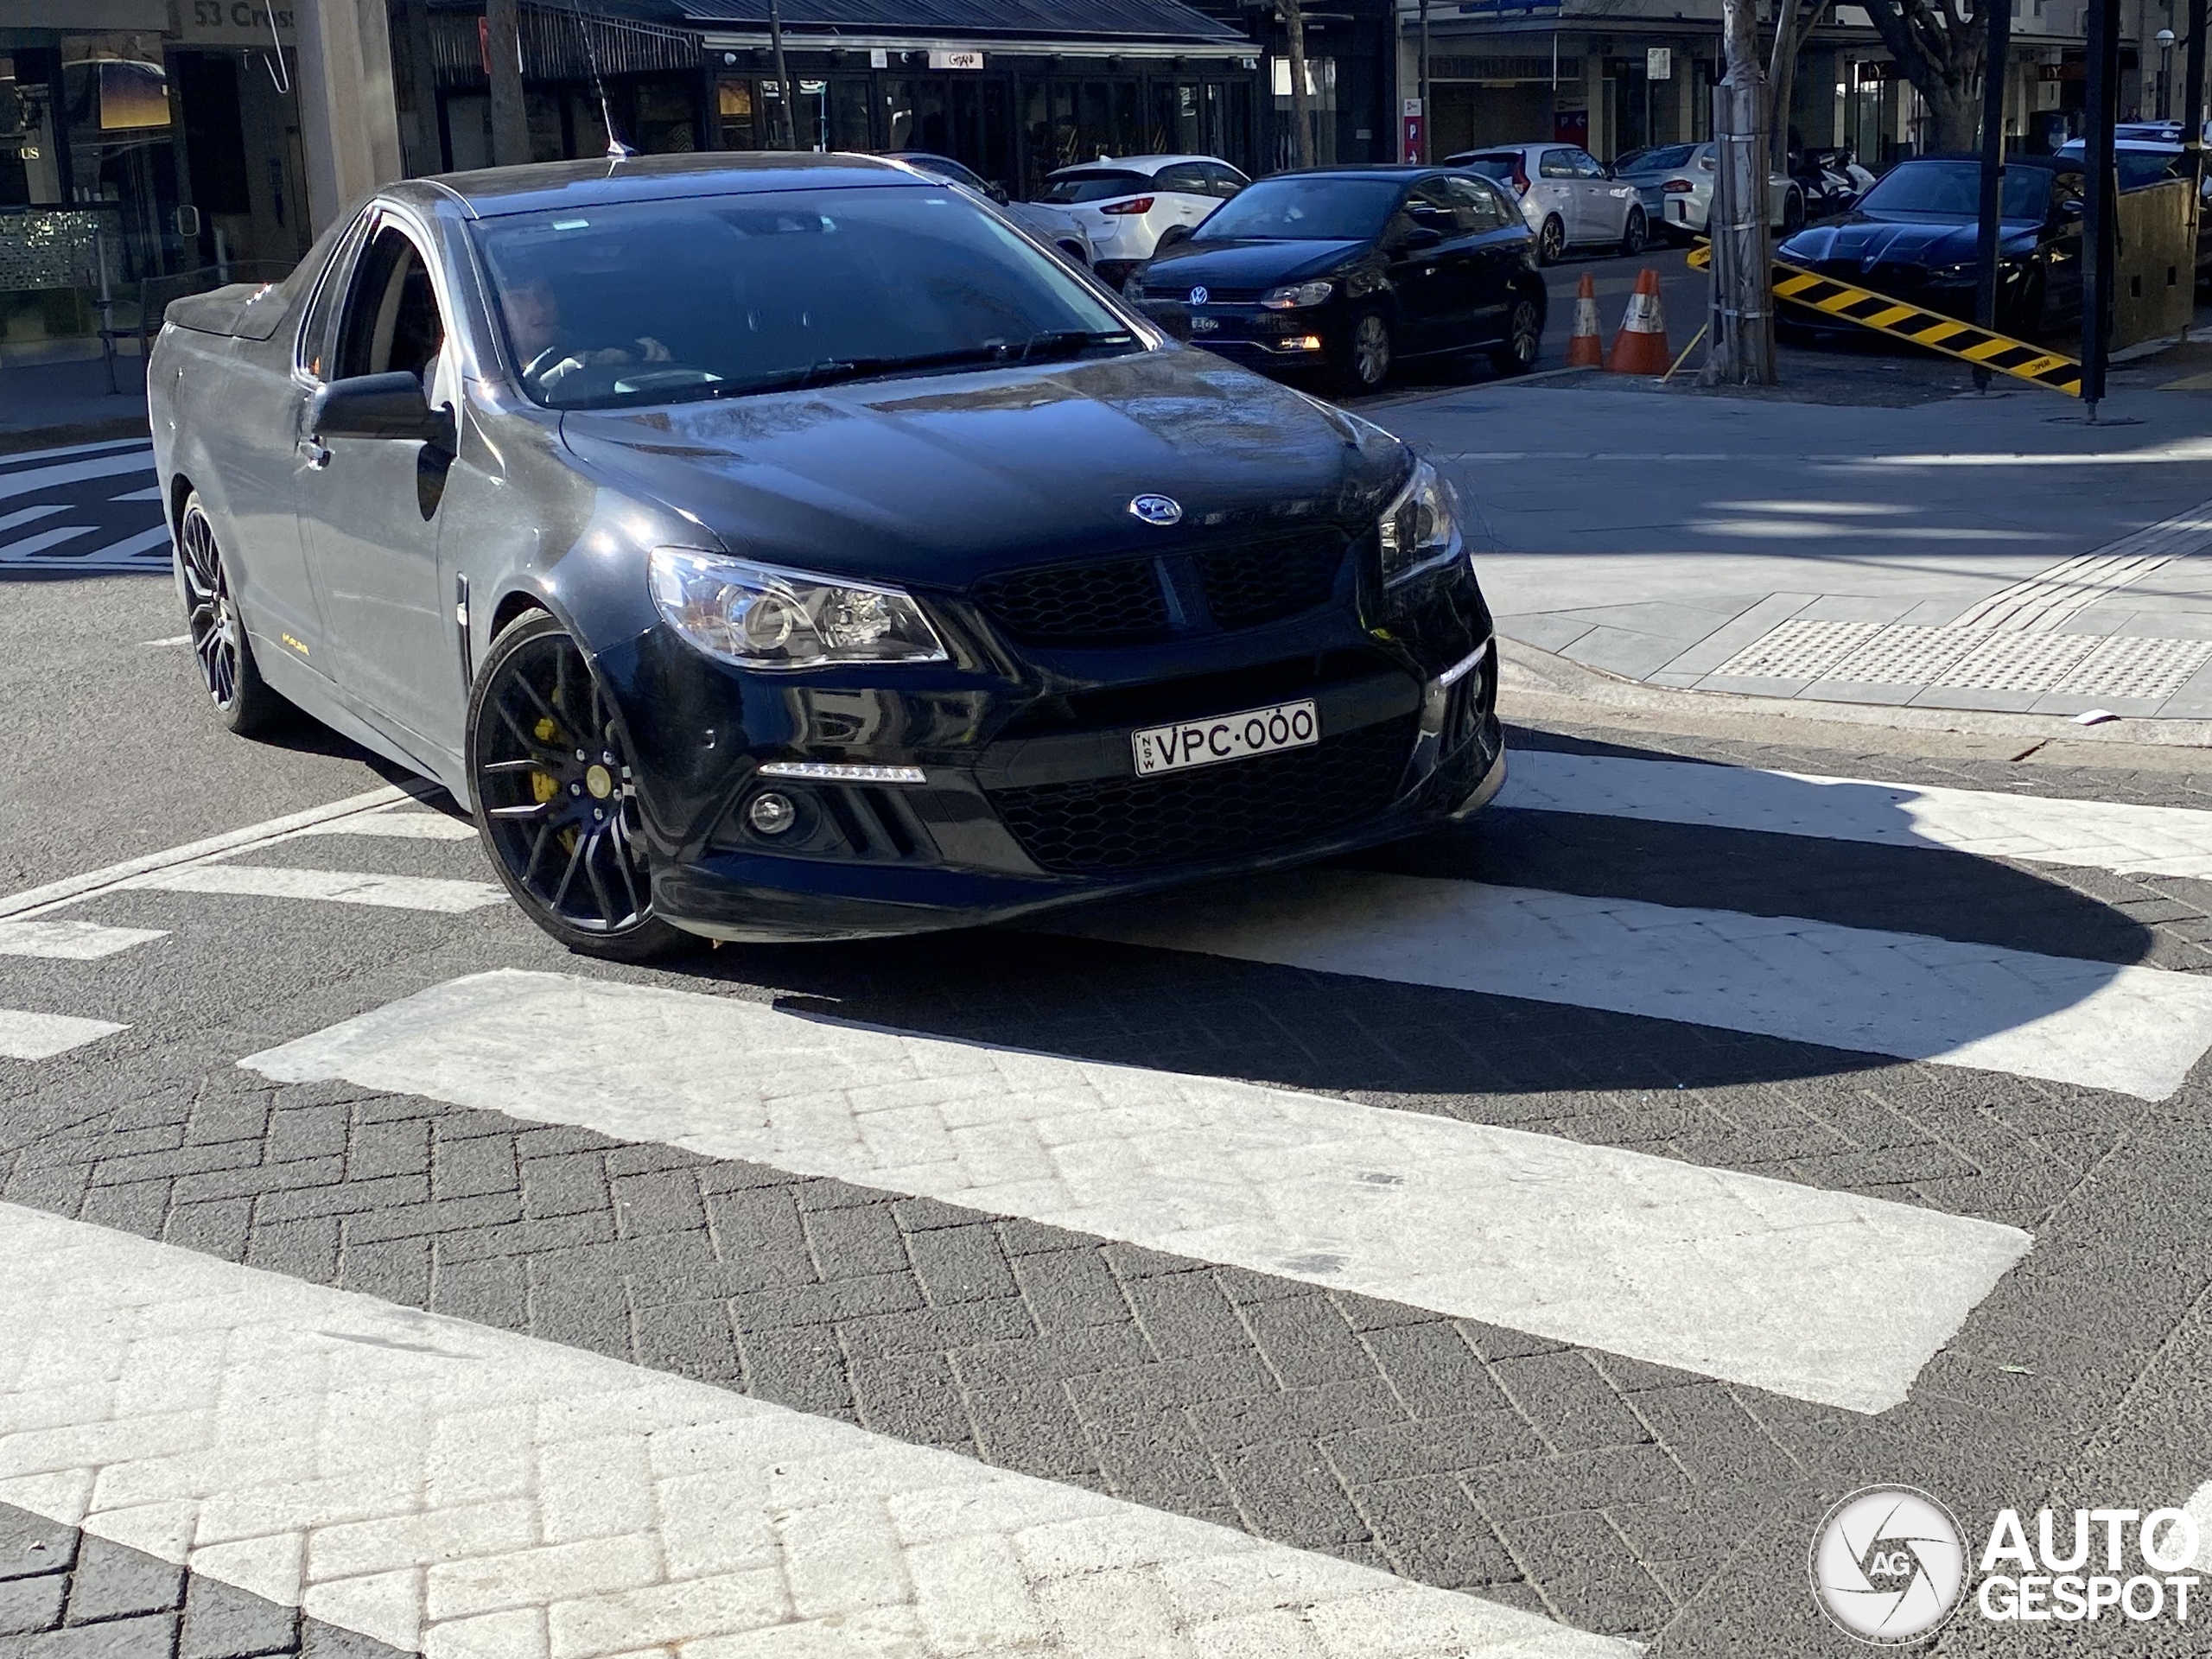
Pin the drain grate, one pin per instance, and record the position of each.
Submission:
(1973, 660)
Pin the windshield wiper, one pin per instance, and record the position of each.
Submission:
(831, 371)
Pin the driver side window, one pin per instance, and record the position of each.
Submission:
(392, 320)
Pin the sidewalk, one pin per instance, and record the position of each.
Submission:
(1967, 552)
(44, 404)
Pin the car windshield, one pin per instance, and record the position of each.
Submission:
(716, 296)
(1095, 184)
(1306, 209)
(1662, 160)
(1953, 190)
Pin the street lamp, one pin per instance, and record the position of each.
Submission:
(2165, 39)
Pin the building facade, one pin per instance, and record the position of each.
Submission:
(1619, 75)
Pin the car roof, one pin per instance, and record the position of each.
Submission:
(1129, 164)
(496, 191)
(2047, 164)
(1507, 150)
(1358, 170)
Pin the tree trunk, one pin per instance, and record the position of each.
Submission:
(1293, 17)
(1742, 352)
(503, 55)
(1958, 117)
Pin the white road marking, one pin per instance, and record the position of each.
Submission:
(70, 941)
(69, 890)
(1822, 1295)
(44, 539)
(74, 472)
(151, 492)
(174, 639)
(400, 826)
(330, 886)
(27, 516)
(467, 1493)
(2135, 1030)
(25, 1036)
(2036, 829)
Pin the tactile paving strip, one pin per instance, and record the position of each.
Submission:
(1979, 659)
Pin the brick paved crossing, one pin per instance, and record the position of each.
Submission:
(1559, 1479)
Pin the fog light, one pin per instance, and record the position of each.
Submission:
(772, 814)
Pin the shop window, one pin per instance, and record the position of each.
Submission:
(29, 175)
(666, 122)
(848, 111)
(734, 104)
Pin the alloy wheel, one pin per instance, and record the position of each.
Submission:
(1551, 241)
(1526, 339)
(558, 790)
(213, 619)
(1371, 350)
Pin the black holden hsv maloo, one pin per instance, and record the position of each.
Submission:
(788, 547)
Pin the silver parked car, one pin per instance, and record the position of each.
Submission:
(1054, 227)
(1674, 184)
(1568, 197)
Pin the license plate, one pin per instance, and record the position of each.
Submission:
(1225, 737)
(1204, 324)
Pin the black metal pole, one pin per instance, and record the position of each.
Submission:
(2097, 239)
(1993, 170)
(2192, 85)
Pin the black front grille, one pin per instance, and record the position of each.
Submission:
(1244, 582)
(1117, 600)
(1278, 576)
(1119, 825)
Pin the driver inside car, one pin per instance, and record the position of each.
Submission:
(547, 357)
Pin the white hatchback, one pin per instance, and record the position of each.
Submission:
(1134, 205)
(1569, 197)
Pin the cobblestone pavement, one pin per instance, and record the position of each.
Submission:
(339, 1327)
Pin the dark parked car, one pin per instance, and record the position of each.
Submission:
(783, 547)
(1914, 235)
(1348, 270)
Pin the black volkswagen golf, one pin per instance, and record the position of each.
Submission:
(789, 548)
(1344, 271)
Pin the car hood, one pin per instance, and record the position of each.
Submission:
(934, 481)
(1247, 264)
(1866, 241)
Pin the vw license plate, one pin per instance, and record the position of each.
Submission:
(1225, 737)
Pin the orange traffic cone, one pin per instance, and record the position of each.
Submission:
(1583, 349)
(1641, 345)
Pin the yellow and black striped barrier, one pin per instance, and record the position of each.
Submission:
(1887, 316)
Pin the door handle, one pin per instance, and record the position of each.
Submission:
(316, 453)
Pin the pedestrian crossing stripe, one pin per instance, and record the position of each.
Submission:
(1887, 315)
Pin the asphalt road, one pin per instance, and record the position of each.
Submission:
(1690, 1148)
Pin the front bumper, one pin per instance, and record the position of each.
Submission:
(1031, 801)
(1274, 342)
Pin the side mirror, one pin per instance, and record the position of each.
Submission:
(2073, 208)
(380, 406)
(1419, 237)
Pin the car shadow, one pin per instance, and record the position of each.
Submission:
(1057, 986)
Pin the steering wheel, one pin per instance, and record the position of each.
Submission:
(551, 365)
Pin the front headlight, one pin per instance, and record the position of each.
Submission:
(760, 617)
(1419, 528)
(1291, 296)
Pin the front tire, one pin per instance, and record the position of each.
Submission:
(1793, 214)
(1632, 239)
(1364, 363)
(556, 804)
(243, 700)
(1524, 340)
(1551, 241)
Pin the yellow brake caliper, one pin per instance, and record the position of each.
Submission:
(543, 786)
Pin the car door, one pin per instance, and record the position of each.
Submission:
(1552, 182)
(1602, 200)
(1186, 196)
(264, 450)
(370, 506)
(1417, 242)
(1496, 248)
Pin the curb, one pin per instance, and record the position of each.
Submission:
(56, 437)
